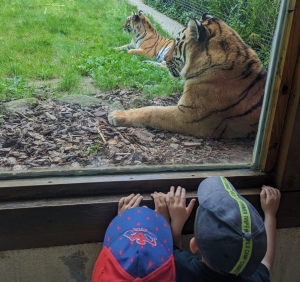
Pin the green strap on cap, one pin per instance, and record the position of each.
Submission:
(245, 226)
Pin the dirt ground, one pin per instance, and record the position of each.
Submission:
(57, 134)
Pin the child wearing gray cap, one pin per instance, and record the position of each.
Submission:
(234, 241)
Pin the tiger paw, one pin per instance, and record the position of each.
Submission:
(117, 118)
(124, 47)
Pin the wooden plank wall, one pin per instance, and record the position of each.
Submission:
(288, 164)
(76, 221)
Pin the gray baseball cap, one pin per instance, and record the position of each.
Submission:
(229, 231)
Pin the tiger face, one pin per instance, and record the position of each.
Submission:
(127, 26)
(206, 46)
(132, 21)
(175, 60)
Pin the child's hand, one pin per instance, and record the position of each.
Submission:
(128, 202)
(269, 199)
(161, 205)
(178, 210)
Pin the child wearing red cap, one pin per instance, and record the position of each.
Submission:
(138, 244)
(234, 241)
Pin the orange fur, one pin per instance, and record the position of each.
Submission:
(145, 38)
(224, 85)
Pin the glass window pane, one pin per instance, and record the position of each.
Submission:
(63, 74)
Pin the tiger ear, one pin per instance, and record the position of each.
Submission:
(206, 16)
(135, 17)
(197, 31)
(141, 12)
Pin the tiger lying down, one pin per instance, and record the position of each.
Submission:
(223, 90)
(145, 39)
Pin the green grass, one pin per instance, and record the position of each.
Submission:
(253, 20)
(67, 39)
(93, 148)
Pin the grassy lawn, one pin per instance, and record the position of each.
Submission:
(69, 40)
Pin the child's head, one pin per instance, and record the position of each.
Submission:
(137, 246)
(228, 230)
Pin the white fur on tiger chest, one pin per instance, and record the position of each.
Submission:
(160, 56)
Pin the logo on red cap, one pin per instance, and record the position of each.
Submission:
(141, 236)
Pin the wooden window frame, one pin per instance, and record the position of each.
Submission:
(63, 210)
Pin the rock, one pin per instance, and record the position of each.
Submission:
(174, 146)
(49, 116)
(117, 105)
(83, 100)
(136, 102)
(12, 160)
(21, 105)
(19, 167)
(99, 113)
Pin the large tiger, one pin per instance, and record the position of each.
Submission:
(145, 39)
(223, 90)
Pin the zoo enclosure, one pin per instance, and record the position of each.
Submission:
(254, 20)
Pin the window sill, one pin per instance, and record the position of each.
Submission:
(73, 210)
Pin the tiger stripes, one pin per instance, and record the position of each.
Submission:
(145, 38)
(224, 85)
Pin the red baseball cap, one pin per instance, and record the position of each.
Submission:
(138, 246)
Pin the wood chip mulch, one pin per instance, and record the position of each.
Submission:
(56, 134)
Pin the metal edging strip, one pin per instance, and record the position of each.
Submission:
(275, 54)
